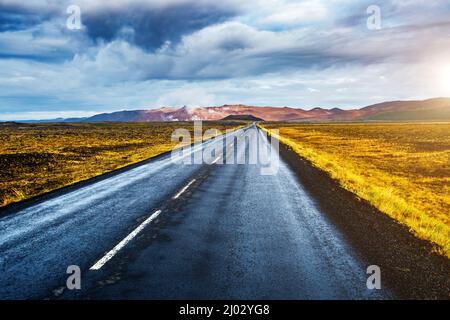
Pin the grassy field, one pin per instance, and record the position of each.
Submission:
(37, 158)
(402, 169)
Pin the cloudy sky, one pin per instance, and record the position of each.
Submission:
(136, 54)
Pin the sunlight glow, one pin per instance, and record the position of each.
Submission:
(444, 79)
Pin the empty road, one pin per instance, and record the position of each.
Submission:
(166, 230)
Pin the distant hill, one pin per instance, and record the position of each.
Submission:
(11, 124)
(437, 109)
(242, 117)
(431, 109)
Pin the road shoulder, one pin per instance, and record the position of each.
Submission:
(408, 265)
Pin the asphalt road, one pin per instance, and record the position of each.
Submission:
(166, 230)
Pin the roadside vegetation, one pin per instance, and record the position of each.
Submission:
(38, 158)
(401, 169)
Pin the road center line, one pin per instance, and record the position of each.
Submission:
(184, 189)
(100, 263)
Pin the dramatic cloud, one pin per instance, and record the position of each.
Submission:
(151, 24)
(144, 54)
(15, 15)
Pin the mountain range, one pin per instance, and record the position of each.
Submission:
(431, 109)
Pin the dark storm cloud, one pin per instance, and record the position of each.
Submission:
(146, 24)
(149, 27)
(14, 17)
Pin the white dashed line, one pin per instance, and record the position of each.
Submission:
(217, 159)
(184, 189)
(100, 263)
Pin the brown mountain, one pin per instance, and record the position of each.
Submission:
(432, 109)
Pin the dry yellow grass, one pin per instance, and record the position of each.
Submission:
(401, 169)
(38, 158)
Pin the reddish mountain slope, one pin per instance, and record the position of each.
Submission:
(432, 109)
